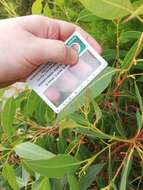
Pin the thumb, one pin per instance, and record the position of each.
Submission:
(55, 51)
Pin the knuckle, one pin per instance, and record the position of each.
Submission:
(39, 18)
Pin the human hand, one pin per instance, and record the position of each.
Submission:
(29, 41)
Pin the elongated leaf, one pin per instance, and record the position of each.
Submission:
(79, 119)
(98, 111)
(61, 145)
(114, 186)
(68, 124)
(55, 167)
(129, 35)
(140, 79)
(139, 120)
(137, 12)
(56, 184)
(25, 176)
(120, 128)
(37, 7)
(94, 89)
(32, 103)
(90, 176)
(133, 53)
(47, 10)
(125, 171)
(27, 168)
(32, 151)
(109, 9)
(139, 97)
(139, 66)
(109, 54)
(92, 134)
(40, 113)
(137, 4)
(42, 184)
(72, 145)
(86, 16)
(20, 182)
(73, 183)
(7, 117)
(9, 175)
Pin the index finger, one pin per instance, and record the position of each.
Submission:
(46, 27)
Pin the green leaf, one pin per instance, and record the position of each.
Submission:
(91, 174)
(55, 167)
(98, 111)
(20, 182)
(139, 97)
(25, 176)
(2, 148)
(94, 89)
(32, 103)
(73, 183)
(67, 124)
(47, 11)
(9, 175)
(27, 168)
(120, 128)
(133, 53)
(137, 3)
(140, 79)
(139, 120)
(37, 7)
(125, 171)
(50, 143)
(42, 184)
(87, 16)
(129, 35)
(32, 151)
(61, 145)
(137, 12)
(72, 145)
(21, 97)
(93, 134)
(57, 184)
(60, 2)
(40, 113)
(139, 66)
(79, 119)
(109, 9)
(7, 117)
(109, 54)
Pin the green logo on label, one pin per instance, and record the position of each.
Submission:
(77, 44)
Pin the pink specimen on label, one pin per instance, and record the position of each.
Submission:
(52, 94)
(81, 69)
(67, 82)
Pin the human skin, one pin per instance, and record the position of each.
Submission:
(67, 82)
(29, 41)
(82, 69)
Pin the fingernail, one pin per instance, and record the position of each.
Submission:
(74, 56)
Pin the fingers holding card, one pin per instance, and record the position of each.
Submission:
(59, 84)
